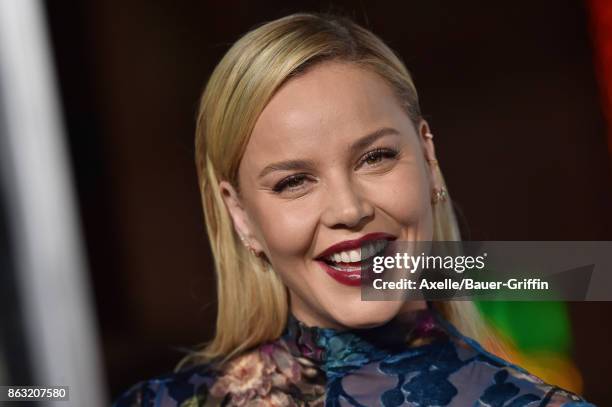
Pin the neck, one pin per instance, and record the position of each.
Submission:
(311, 318)
(333, 348)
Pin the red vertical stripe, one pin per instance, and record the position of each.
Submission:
(601, 28)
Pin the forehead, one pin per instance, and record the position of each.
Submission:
(331, 102)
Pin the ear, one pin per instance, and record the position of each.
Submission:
(426, 138)
(429, 152)
(239, 215)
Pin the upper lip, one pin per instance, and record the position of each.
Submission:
(355, 244)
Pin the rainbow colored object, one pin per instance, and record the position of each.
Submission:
(536, 336)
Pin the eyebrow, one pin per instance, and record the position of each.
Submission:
(359, 145)
(370, 138)
(287, 166)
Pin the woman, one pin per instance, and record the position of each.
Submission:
(311, 150)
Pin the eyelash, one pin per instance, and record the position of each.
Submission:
(284, 183)
(379, 153)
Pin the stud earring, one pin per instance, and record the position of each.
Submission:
(250, 248)
(429, 135)
(439, 195)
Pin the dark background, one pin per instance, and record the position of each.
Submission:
(509, 89)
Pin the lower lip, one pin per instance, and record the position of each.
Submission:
(352, 279)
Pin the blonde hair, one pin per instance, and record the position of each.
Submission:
(252, 300)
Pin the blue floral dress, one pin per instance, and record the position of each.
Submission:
(422, 362)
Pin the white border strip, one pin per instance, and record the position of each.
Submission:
(54, 287)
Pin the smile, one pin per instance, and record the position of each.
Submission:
(345, 261)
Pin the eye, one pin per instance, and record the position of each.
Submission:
(377, 156)
(292, 182)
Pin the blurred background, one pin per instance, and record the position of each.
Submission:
(517, 93)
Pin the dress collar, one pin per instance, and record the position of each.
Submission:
(341, 350)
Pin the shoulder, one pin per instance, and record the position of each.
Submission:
(190, 386)
(495, 381)
(499, 381)
(266, 375)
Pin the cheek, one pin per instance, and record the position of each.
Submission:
(403, 194)
(286, 228)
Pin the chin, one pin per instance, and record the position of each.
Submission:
(365, 314)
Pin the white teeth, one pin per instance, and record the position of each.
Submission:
(353, 256)
(346, 269)
(367, 251)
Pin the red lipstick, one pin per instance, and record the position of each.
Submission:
(351, 273)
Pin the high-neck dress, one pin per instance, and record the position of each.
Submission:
(422, 361)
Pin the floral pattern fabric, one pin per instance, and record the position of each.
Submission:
(419, 363)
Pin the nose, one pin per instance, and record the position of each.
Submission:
(347, 206)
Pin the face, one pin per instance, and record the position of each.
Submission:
(332, 161)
